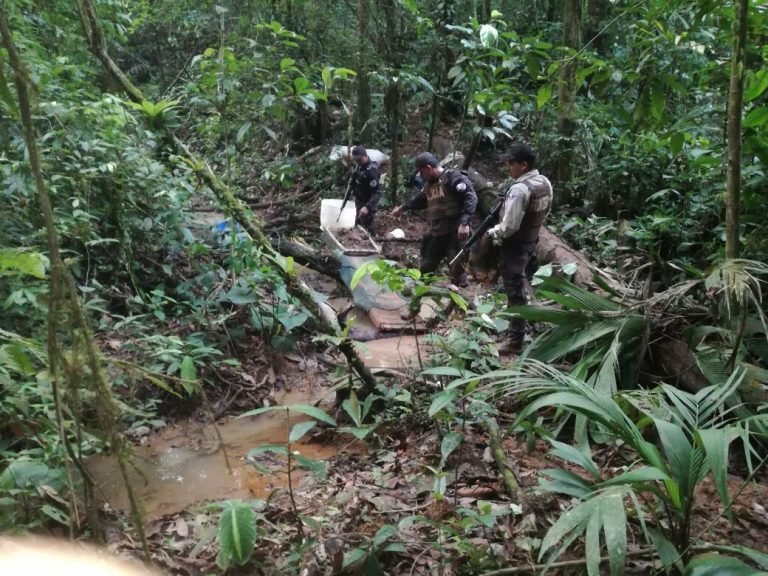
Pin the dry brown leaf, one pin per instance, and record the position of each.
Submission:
(182, 529)
(476, 491)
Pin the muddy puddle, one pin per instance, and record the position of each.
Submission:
(183, 465)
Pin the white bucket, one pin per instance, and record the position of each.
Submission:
(329, 214)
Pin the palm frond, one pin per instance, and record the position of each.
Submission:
(740, 281)
(582, 299)
(602, 513)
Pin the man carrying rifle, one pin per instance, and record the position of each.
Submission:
(450, 201)
(526, 205)
(365, 188)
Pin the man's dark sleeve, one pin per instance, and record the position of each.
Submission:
(462, 187)
(416, 202)
(374, 188)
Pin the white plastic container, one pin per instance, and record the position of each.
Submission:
(329, 214)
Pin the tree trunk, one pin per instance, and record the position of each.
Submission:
(392, 106)
(735, 105)
(572, 12)
(363, 110)
(392, 97)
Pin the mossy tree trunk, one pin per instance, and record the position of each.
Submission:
(363, 108)
(735, 105)
(566, 96)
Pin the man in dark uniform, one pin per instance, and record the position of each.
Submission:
(365, 188)
(450, 201)
(526, 205)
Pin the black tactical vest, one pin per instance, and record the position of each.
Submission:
(442, 202)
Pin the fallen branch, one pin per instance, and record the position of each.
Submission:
(302, 194)
(232, 205)
(562, 564)
(508, 479)
(308, 257)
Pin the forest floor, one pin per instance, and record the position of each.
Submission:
(384, 482)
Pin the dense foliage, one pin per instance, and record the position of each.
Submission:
(253, 87)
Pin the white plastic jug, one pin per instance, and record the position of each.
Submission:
(329, 214)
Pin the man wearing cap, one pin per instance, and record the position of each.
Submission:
(526, 205)
(450, 201)
(365, 188)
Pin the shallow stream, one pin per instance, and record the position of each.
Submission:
(183, 465)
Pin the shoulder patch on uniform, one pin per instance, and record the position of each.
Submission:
(461, 186)
(373, 183)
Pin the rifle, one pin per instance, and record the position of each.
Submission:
(346, 197)
(484, 225)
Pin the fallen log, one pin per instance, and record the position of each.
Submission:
(552, 249)
(672, 358)
(308, 257)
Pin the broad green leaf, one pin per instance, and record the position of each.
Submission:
(327, 76)
(55, 514)
(243, 131)
(265, 448)
(678, 450)
(17, 262)
(641, 475)
(316, 467)
(311, 522)
(592, 545)
(450, 442)
(257, 411)
(575, 456)
(313, 412)
(755, 85)
(298, 431)
(544, 95)
(676, 142)
(756, 117)
(573, 521)
(667, 552)
(237, 534)
(459, 300)
(5, 94)
(533, 65)
(454, 71)
(444, 371)
(759, 558)
(188, 375)
(614, 520)
(383, 534)
(534, 313)
(489, 36)
(658, 101)
(441, 400)
(352, 407)
(353, 557)
(359, 433)
(241, 295)
(361, 273)
(715, 443)
(565, 482)
(718, 565)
